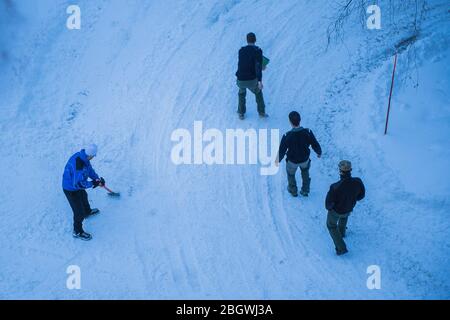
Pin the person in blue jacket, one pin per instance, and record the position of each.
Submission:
(75, 181)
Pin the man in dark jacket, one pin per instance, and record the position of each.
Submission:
(249, 76)
(340, 201)
(75, 182)
(296, 145)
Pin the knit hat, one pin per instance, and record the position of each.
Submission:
(91, 150)
(345, 166)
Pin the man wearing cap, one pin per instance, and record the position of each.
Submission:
(75, 182)
(249, 76)
(295, 145)
(340, 201)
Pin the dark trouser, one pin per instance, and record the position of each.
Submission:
(337, 224)
(291, 169)
(251, 85)
(79, 203)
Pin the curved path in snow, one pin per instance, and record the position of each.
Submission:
(135, 74)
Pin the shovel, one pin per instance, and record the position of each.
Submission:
(111, 193)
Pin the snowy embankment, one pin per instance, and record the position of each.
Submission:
(133, 74)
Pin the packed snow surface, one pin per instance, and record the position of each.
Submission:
(138, 70)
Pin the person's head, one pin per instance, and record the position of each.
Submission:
(251, 38)
(91, 151)
(345, 167)
(294, 119)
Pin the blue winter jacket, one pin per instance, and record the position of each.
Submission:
(77, 171)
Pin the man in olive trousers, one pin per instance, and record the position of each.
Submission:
(249, 76)
(295, 145)
(340, 201)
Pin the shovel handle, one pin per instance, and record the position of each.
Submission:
(107, 189)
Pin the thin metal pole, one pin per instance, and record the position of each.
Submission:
(390, 95)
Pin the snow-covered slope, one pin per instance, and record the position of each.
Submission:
(135, 72)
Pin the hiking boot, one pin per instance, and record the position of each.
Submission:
(303, 193)
(293, 193)
(340, 253)
(263, 115)
(82, 235)
(93, 212)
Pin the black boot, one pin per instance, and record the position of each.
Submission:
(93, 212)
(292, 192)
(340, 253)
(303, 193)
(82, 235)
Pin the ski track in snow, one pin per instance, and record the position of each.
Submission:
(199, 231)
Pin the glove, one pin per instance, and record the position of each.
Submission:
(102, 181)
(95, 183)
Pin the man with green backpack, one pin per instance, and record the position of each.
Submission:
(249, 75)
